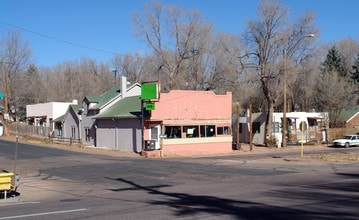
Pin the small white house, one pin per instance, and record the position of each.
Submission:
(301, 127)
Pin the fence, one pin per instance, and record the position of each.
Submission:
(340, 132)
(31, 130)
(60, 140)
(39, 131)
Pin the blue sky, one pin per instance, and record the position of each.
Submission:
(66, 30)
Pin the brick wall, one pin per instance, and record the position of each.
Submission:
(353, 122)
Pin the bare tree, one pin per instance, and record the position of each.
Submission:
(174, 36)
(348, 48)
(75, 80)
(136, 67)
(275, 46)
(15, 54)
(217, 68)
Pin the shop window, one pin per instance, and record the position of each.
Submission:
(173, 131)
(223, 130)
(190, 131)
(207, 130)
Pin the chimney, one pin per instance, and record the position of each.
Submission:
(123, 83)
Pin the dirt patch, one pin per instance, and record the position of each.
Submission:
(338, 158)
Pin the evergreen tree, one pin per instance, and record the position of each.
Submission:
(334, 63)
(355, 73)
(29, 93)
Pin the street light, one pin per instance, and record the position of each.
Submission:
(284, 126)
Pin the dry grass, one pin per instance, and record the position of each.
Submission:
(339, 158)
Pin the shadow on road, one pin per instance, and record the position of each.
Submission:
(191, 205)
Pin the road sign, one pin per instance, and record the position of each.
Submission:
(150, 106)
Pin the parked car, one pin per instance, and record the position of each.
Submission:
(347, 141)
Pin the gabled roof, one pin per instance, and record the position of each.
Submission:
(107, 96)
(93, 98)
(74, 108)
(347, 115)
(129, 107)
(59, 119)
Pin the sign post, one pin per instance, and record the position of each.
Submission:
(150, 93)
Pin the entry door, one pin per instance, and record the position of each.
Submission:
(155, 131)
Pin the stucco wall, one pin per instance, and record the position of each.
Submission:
(192, 108)
(185, 104)
(51, 110)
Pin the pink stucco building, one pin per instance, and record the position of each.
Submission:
(190, 123)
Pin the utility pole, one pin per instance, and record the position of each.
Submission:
(6, 105)
(285, 57)
(284, 123)
(115, 72)
(250, 128)
(238, 145)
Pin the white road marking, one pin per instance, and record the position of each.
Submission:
(43, 213)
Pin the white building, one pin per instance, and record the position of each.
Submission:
(301, 127)
(43, 114)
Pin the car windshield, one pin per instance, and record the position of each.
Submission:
(347, 137)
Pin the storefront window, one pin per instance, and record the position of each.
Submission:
(194, 131)
(207, 130)
(190, 131)
(173, 131)
(223, 130)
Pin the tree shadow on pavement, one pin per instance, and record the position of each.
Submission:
(187, 205)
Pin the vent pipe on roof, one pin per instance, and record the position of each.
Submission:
(123, 84)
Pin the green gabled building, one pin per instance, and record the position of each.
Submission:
(110, 120)
(119, 126)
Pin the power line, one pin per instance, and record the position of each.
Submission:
(58, 39)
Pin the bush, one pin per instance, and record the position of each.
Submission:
(271, 142)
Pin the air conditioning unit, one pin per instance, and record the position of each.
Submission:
(150, 144)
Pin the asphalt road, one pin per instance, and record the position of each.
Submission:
(58, 183)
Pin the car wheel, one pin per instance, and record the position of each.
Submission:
(346, 145)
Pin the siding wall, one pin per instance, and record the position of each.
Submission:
(70, 122)
(123, 134)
